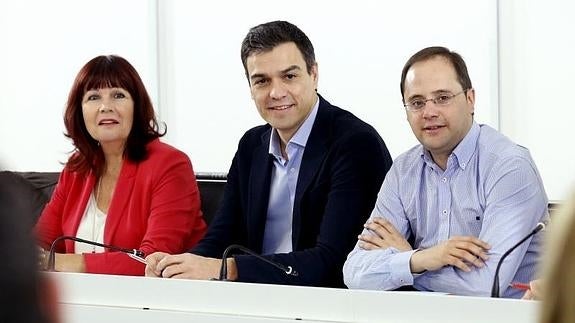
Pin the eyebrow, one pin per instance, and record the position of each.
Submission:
(436, 92)
(284, 71)
(291, 68)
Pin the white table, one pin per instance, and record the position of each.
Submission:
(87, 298)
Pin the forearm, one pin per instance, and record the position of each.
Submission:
(70, 263)
(381, 269)
(451, 280)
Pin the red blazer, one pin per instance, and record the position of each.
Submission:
(155, 207)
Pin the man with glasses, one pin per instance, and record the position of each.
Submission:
(450, 207)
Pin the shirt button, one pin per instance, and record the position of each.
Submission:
(444, 212)
(463, 165)
(444, 179)
(292, 170)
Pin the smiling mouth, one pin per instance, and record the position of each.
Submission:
(281, 107)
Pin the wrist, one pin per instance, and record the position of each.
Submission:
(417, 262)
(69, 263)
(232, 269)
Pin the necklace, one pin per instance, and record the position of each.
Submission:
(97, 197)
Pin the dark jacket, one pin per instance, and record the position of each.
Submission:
(343, 166)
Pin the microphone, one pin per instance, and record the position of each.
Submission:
(134, 253)
(495, 288)
(224, 268)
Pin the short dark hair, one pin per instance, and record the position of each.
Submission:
(427, 53)
(102, 72)
(265, 37)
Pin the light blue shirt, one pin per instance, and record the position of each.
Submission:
(490, 189)
(278, 230)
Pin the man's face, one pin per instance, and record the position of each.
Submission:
(281, 87)
(438, 128)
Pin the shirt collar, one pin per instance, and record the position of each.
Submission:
(466, 147)
(463, 151)
(299, 138)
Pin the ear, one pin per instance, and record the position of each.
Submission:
(314, 73)
(470, 97)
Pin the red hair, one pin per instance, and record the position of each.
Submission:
(106, 72)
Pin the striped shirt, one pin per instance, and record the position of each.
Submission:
(490, 189)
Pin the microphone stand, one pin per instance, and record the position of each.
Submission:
(134, 253)
(224, 268)
(495, 287)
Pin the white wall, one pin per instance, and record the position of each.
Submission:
(187, 52)
(43, 45)
(360, 47)
(536, 84)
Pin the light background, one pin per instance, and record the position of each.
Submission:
(187, 53)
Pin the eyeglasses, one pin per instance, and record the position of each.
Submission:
(443, 99)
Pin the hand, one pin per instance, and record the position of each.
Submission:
(383, 235)
(534, 291)
(187, 266)
(460, 252)
(152, 264)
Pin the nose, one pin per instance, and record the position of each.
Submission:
(430, 110)
(105, 107)
(278, 90)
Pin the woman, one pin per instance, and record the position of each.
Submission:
(121, 186)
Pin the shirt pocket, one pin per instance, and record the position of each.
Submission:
(467, 222)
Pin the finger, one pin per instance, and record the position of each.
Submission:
(152, 262)
(376, 229)
(171, 260)
(150, 271)
(467, 257)
(172, 271)
(155, 257)
(384, 223)
(368, 246)
(151, 265)
(373, 240)
(472, 248)
(180, 276)
(169, 271)
(456, 262)
(535, 284)
(474, 240)
(528, 295)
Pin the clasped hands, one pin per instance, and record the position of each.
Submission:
(462, 252)
(187, 266)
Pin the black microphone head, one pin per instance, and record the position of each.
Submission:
(224, 268)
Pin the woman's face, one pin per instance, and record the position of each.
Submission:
(108, 115)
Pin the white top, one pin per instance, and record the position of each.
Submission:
(91, 228)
